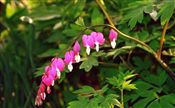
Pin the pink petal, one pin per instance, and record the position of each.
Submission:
(90, 41)
(69, 57)
(50, 70)
(100, 38)
(58, 63)
(48, 90)
(94, 35)
(38, 100)
(42, 87)
(84, 40)
(48, 80)
(76, 47)
(72, 55)
(112, 35)
(46, 68)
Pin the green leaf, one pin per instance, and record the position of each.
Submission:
(154, 104)
(166, 11)
(166, 104)
(137, 17)
(113, 81)
(93, 104)
(169, 98)
(126, 85)
(110, 100)
(69, 96)
(158, 79)
(136, 12)
(141, 65)
(141, 85)
(49, 53)
(80, 22)
(75, 8)
(81, 103)
(105, 88)
(108, 72)
(143, 35)
(129, 76)
(97, 18)
(40, 70)
(145, 93)
(89, 63)
(143, 102)
(10, 10)
(73, 30)
(154, 44)
(85, 89)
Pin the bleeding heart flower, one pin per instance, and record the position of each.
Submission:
(42, 91)
(98, 39)
(113, 37)
(88, 42)
(76, 49)
(40, 95)
(69, 59)
(57, 65)
(52, 72)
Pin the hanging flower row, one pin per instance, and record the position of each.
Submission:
(53, 71)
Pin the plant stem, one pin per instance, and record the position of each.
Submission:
(161, 62)
(122, 100)
(162, 40)
(106, 14)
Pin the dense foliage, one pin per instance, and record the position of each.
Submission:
(139, 72)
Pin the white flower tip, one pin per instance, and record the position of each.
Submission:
(113, 44)
(44, 95)
(53, 83)
(77, 58)
(88, 50)
(97, 47)
(70, 67)
(58, 73)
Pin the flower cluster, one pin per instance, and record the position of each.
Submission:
(53, 71)
(95, 38)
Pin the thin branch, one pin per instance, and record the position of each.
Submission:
(162, 40)
(122, 99)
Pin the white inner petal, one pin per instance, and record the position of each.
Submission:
(113, 43)
(70, 67)
(53, 83)
(88, 50)
(97, 46)
(44, 96)
(77, 58)
(58, 73)
(48, 89)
